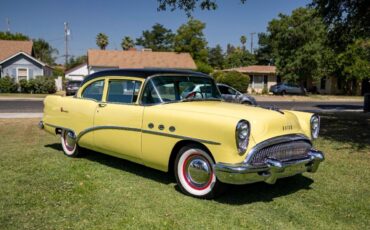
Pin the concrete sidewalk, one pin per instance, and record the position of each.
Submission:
(20, 115)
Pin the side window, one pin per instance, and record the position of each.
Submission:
(231, 91)
(123, 91)
(94, 90)
(223, 89)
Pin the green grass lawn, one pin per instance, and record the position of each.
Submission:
(40, 188)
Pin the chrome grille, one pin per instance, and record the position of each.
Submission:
(283, 152)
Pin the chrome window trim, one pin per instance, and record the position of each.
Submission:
(167, 74)
(122, 103)
(273, 141)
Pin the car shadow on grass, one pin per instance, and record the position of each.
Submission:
(263, 192)
(347, 127)
(121, 164)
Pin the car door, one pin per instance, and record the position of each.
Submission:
(227, 93)
(118, 119)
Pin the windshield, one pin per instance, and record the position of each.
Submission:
(179, 88)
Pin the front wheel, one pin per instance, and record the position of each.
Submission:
(69, 144)
(194, 173)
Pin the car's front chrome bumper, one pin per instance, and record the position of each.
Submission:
(269, 172)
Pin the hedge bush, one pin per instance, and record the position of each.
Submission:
(234, 79)
(204, 68)
(8, 85)
(40, 84)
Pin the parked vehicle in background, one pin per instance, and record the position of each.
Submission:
(72, 87)
(230, 94)
(287, 88)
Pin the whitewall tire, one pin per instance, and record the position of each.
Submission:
(69, 144)
(194, 173)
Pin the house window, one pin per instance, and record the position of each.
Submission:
(22, 74)
(258, 82)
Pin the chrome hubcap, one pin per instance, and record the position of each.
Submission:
(198, 171)
(70, 140)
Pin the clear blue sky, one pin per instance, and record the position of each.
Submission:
(118, 18)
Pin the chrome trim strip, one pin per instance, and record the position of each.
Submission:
(180, 137)
(273, 141)
(83, 132)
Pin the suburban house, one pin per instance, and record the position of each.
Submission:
(261, 76)
(17, 61)
(98, 60)
(77, 73)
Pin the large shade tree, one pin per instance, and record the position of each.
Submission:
(347, 20)
(190, 38)
(158, 38)
(297, 43)
(102, 41)
(44, 51)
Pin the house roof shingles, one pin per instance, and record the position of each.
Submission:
(9, 48)
(266, 69)
(139, 59)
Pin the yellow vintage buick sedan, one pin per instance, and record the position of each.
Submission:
(154, 118)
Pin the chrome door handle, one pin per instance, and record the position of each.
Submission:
(101, 105)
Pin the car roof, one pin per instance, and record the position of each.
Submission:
(141, 73)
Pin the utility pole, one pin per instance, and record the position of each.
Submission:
(7, 25)
(253, 33)
(66, 34)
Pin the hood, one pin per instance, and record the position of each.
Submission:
(265, 123)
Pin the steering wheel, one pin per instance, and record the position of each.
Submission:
(193, 94)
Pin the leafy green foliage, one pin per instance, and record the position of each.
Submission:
(188, 5)
(157, 39)
(15, 36)
(8, 85)
(216, 57)
(44, 52)
(235, 79)
(40, 85)
(190, 38)
(297, 45)
(347, 20)
(102, 41)
(354, 62)
(204, 67)
(127, 43)
(237, 57)
(75, 61)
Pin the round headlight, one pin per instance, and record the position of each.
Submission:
(242, 136)
(315, 126)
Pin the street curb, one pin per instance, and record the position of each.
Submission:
(20, 115)
(20, 99)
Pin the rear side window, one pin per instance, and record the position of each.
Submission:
(123, 91)
(94, 91)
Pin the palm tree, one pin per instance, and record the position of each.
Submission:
(243, 40)
(102, 41)
(127, 43)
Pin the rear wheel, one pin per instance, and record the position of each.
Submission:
(194, 173)
(69, 143)
(283, 92)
